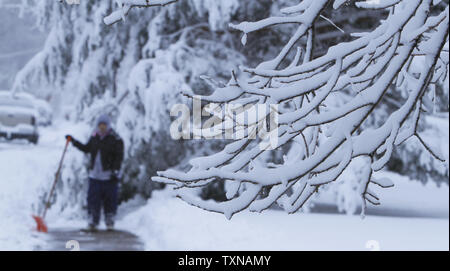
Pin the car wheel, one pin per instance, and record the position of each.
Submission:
(34, 140)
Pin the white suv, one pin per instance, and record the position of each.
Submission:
(18, 117)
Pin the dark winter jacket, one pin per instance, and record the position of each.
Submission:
(111, 149)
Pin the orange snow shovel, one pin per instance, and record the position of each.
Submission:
(41, 226)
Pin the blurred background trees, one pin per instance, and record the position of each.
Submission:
(135, 69)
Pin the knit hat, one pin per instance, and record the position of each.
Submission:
(104, 119)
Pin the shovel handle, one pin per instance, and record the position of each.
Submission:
(47, 203)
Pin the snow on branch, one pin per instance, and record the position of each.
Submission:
(126, 5)
(367, 67)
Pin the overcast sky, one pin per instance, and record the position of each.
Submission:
(19, 41)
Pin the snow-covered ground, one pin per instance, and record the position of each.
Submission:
(21, 178)
(166, 223)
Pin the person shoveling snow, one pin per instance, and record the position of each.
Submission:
(106, 151)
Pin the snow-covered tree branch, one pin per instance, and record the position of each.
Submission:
(126, 5)
(366, 68)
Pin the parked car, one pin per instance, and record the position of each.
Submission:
(45, 114)
(18, 118)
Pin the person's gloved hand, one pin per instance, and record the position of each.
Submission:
(70, 138)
